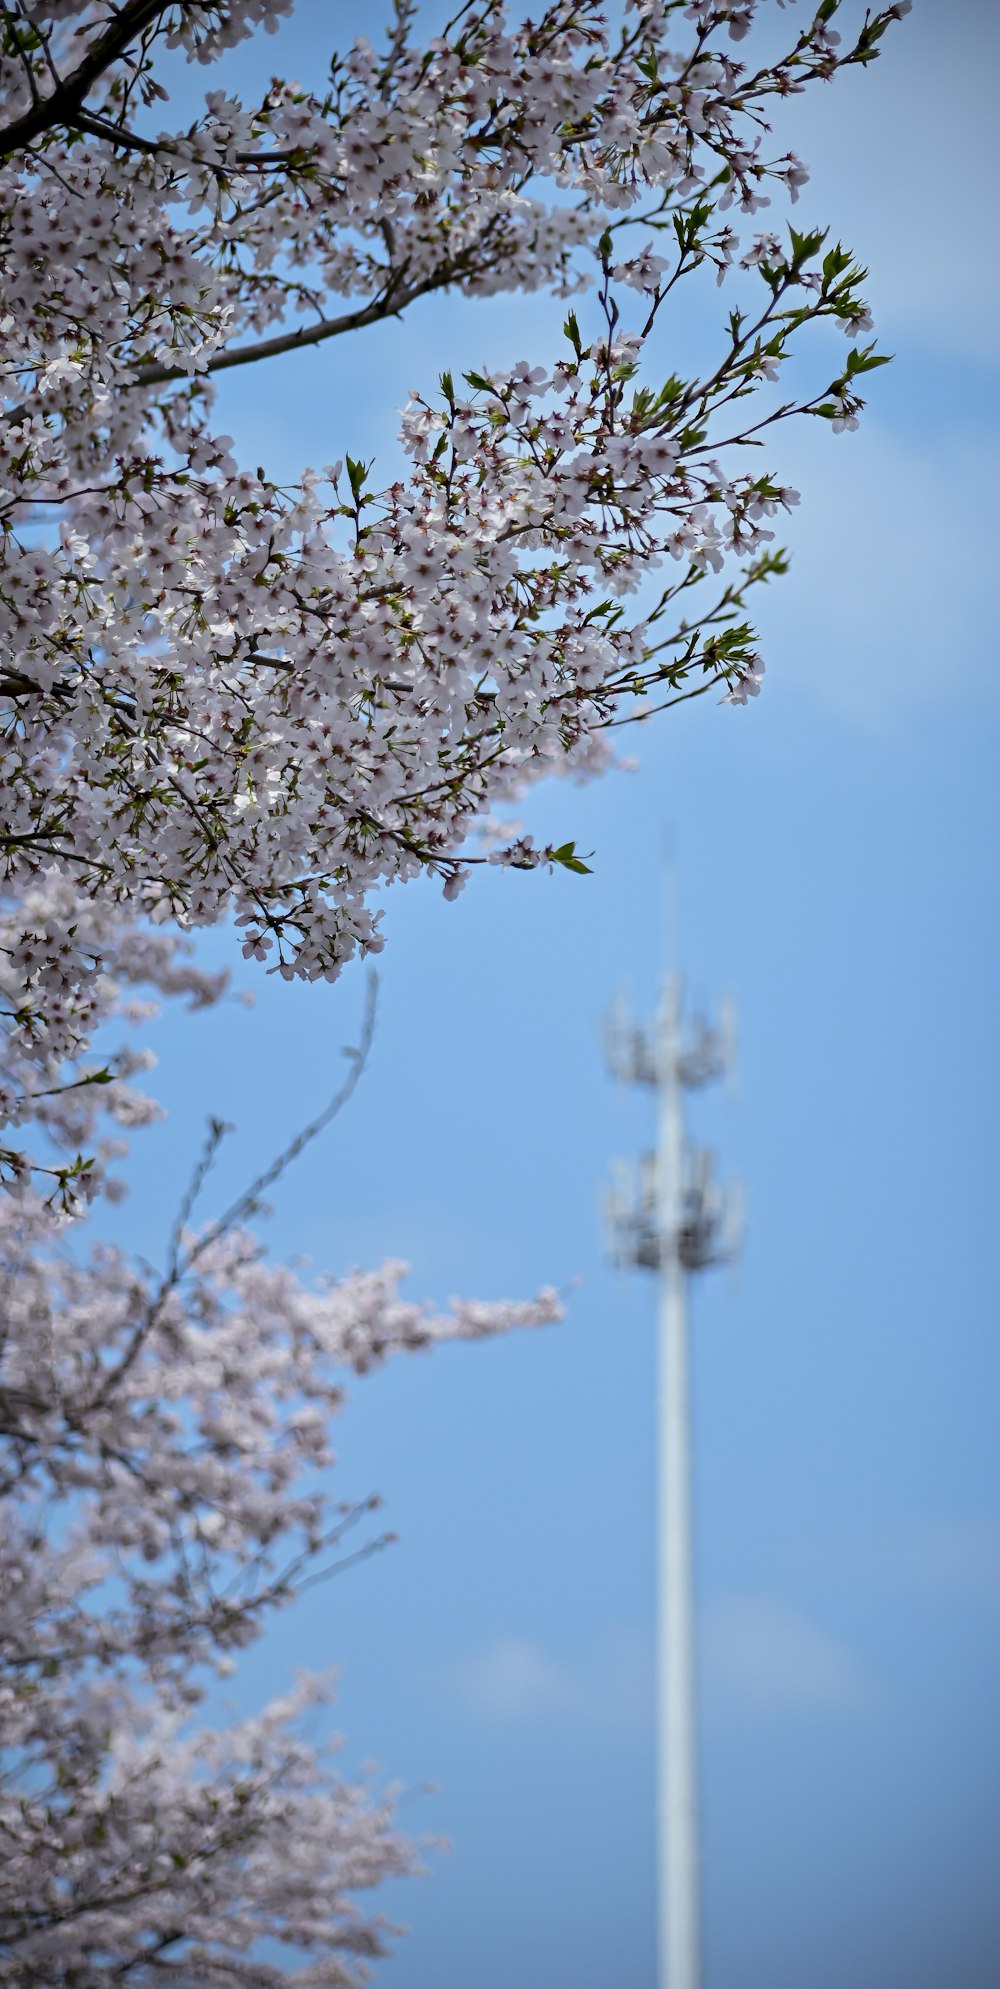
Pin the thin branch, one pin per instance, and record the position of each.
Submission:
(640, 717)
(244, 1205)
(217, 1130)
(249, 1200)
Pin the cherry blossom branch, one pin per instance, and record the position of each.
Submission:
(246, 1204)
(130, 19)
(395, 299)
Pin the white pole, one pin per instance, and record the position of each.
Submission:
(677, 1856)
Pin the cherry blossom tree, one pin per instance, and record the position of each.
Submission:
(164, 1489)
(225, 699)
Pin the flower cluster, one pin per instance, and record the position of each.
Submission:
(163, 1489)
(221, 697)
(69, 968)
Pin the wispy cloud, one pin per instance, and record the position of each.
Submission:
(763, 1655)
(514, 1679)
(927, 227)
(897, 565)
(756, 1654)
(952, 1561)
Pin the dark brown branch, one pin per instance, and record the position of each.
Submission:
(130, 141)
(59, 108)
(389, 304)
(14, 684)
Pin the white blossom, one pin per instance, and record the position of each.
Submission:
(222, 698)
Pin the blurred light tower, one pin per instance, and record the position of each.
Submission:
(667, 1215)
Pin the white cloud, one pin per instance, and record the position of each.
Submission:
(885, 607)
(953, 1561)
(514, 1679)
(756, 1655)
(761, 1655)
(910, 189)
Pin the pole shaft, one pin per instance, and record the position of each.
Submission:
(677, 1888)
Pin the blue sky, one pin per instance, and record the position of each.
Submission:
(836, 858)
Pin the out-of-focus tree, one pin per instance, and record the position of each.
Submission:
(164, 1489)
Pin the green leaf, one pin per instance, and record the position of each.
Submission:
(864, 359)
(358, 474)
(805, 246)
(572, 331)
(835, 262)
(566, 855)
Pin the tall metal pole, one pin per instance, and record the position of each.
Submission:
(668, 1216)
(677, 1890)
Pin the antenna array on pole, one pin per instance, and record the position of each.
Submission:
(665, 1213)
